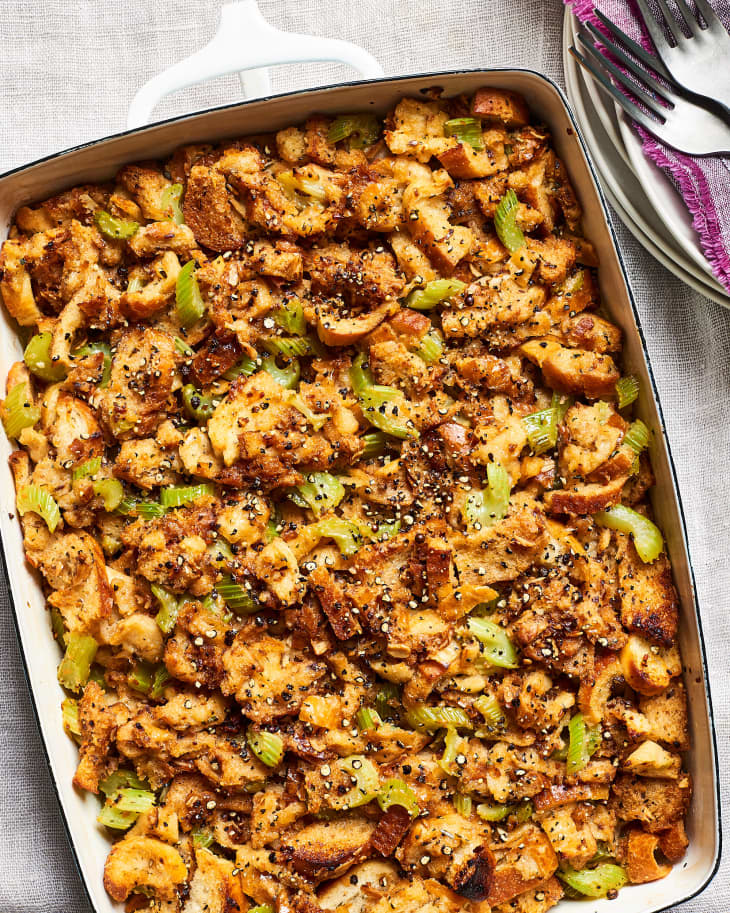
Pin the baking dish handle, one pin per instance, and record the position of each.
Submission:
(246, 44)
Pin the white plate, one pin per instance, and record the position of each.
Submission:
(668, 204)
(665, 200)
(625, 191)
(598, 99)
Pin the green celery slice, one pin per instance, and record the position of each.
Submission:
(646, 535)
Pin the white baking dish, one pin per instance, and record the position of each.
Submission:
(97, 162)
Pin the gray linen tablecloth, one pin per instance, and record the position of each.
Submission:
(69, 69)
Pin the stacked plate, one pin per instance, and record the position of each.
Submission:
(639, 191)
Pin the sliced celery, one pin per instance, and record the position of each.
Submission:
(424, 717)
(267, 746)
(92, 348)
(595, 882)
(167, 615)
(627, 390)
(288, 376)
(89, 468)
(196, 405)
(433, 293)
(498, 648)
(366, 782)
(19, 411)
(73, 672)
(110, 491)
(367, 718)
(190, 304)
(179, 496)
(238, 599)
(646, 535)
(466, 130)
(361, 129)
(37, 357)
(431, 347)
(505, 222)
(290, 317)
(484, 508)
(397, 792)
(39, 501)
(170, 202)
(321, 492)
(116, 229)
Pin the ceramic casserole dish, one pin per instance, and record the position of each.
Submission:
(99, 161)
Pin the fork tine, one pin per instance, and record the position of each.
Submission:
(631, 65)
(635, 90)
(653, 27)
(629, 107)
(672, 23)
(709, 15)
(636, 49)
(689, 20)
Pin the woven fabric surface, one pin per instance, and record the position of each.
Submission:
(69, 71)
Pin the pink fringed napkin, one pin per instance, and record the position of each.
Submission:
(703, 182)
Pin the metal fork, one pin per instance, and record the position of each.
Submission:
(701, 62)
(677, 121)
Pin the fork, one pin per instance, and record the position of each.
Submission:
(677, 121)
(699, 63)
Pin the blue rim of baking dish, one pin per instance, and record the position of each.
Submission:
(607, 217)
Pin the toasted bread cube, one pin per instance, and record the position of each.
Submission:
(651, 760)
(502, 105)
(666, 714)
(657, 804)
(641, 864)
